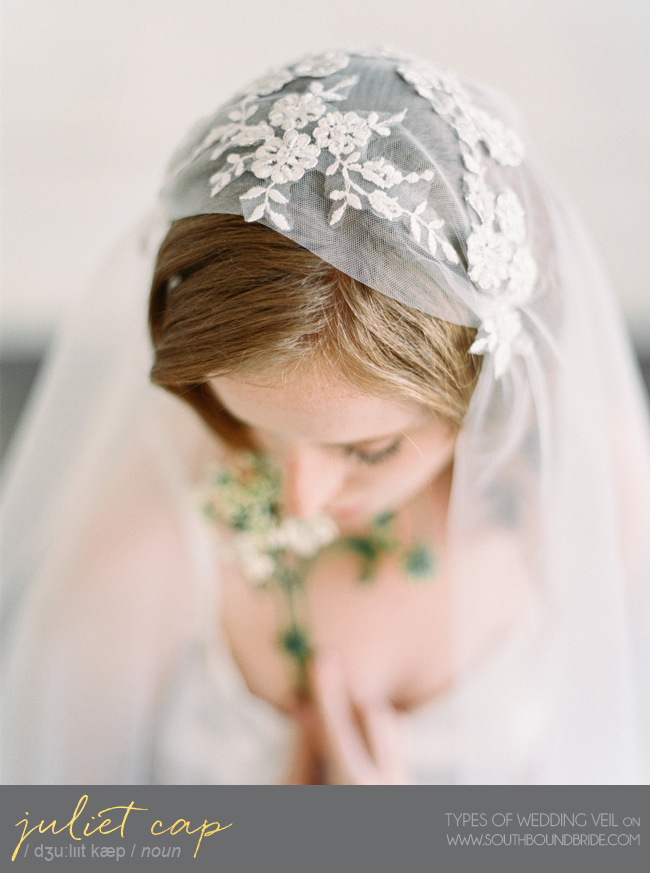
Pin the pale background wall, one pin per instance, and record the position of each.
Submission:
(96, 94)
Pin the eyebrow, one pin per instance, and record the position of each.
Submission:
(367, 442)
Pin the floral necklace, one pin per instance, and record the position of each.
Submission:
(277, 552)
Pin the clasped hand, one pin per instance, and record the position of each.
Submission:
(341, 742)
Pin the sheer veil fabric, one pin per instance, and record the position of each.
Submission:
(418, 186)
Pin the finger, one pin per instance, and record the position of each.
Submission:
(342, 735)
(385, 732)
(299, 771)
(304, 765)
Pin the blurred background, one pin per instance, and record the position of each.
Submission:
(97, 93)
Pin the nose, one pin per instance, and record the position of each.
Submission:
(312, 477)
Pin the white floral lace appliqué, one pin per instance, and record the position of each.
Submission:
(302, 132)
(284, 153)
(499, 260)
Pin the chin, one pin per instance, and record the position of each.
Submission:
(350, 517)
(349, 513)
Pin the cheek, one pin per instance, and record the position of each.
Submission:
(403, 476)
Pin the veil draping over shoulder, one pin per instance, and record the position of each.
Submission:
(414, 184)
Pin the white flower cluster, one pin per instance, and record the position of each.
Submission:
(499, 260)
(243, 495)
(256, 551)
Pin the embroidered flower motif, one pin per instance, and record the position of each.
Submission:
(238, 164)
(427, 230)
(270, 82)
(296, 110)
(427, 82)
(511, 216)
(523, 275)
(501, 335)
(380, 172)
(489, 253)
(341, 134)
(504, 145)
(467, 130)
(251, 134)
(385, 205)
(321, 65)
(457, 90)
(286, 159)
(223, 136)
(336, 92)
(480, 198)
(218, 182)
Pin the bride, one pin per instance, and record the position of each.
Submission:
(388, 521)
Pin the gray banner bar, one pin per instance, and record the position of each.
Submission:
(245, 829)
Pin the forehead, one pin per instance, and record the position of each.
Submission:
(318, 408)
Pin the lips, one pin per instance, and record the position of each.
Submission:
(350, 517)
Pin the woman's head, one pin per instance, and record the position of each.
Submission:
(273, 347)
(321, 218)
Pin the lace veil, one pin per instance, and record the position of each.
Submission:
(419, 187)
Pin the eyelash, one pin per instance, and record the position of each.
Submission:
(375, 457)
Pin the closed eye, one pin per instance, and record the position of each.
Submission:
(377, 456)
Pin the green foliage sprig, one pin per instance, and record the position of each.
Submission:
(278, 552)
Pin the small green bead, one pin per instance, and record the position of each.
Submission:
(384, 519)
(419, 562)
(368, 572)
(288, 580)
(363, 546)
(295, 643)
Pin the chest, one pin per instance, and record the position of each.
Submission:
(391, 634)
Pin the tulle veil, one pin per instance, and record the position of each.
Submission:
(555, 453)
